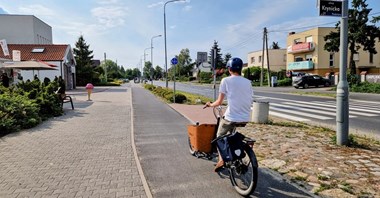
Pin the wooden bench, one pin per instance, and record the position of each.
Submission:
(64, 98)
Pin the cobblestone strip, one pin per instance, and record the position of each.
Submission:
(85, 153)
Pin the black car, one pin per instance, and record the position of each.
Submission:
(311, 80)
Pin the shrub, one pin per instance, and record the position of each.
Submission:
(179, 98)
(284, 82)
(17, 112)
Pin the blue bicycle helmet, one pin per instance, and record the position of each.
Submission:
(236, 64)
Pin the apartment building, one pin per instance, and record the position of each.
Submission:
(305, 53)
(277, 59)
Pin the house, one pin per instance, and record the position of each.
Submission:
(306, 53)
(277, 59)
(201, 67)
(60, 55)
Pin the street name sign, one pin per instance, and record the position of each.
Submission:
(330, 8)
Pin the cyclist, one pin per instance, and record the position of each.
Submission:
(239, 94)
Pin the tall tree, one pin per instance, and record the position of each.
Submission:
(147, 70)
(275, 45)
(360, 33)
(158, 72)
(83, 56)
(184, 65)
(219, 60)
(226, 58)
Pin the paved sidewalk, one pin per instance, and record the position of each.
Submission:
(304, 155)
(85, 153)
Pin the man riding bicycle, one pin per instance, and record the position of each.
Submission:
(239, 94)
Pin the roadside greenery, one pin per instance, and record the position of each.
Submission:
(27, 104)
(180, 96)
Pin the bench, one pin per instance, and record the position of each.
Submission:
(64, 98)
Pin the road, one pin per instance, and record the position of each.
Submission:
(170, 170)
(363, 115)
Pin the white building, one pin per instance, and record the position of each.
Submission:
(24, 29)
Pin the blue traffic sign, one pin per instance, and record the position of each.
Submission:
(174, 61)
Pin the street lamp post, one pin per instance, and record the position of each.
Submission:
(151, 55)
(166, 53)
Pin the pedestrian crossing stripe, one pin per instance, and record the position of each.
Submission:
(318, 111)
(317, 107)
(332, 109)
(287, 116)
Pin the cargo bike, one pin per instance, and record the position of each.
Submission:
(235, 148)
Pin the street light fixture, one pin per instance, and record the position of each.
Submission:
(151, 54)
(166, 53)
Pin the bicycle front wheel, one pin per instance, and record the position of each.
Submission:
(243, 173)
(191, 148)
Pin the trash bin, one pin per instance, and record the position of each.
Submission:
(260, 112)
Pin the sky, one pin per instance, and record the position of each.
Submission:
(124, 29)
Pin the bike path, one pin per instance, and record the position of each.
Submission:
(162, 146)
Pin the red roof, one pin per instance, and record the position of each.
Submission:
(50, 52)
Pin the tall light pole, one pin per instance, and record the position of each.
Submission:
(151, 54)
(166, 53)
(144, 57)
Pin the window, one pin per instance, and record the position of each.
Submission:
(298, 59)
(259, 59)
(331, 62)
(370, 57)
(252, 59)
(38, 50)
(285, 57)
(309, 57)
(309, 39)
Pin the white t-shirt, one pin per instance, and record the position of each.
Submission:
(239, 94)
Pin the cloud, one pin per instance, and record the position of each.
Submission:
(110, 16)
(2, 11)
(172, 26)
(153, 5)
(106, 2)
(37, 10)
(187, 8)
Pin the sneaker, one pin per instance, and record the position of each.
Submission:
(219, 166)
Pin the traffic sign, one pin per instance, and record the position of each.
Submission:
(174, 61)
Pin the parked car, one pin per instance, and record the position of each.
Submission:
(311, 80)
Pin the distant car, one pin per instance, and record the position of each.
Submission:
(311, 81)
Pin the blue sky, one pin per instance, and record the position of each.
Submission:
(124, 28)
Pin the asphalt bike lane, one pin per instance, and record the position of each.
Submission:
(162, 146)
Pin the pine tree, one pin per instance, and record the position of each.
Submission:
(83, 57)
(219, 59)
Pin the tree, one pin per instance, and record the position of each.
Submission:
(147, 70)
(219, 60)
(226, 58)
(360, 33)
(184, 66)
(83, 57)
(158, 73)
(275, 45)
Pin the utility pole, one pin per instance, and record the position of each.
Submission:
(342, 108)
(266, 43)
(105, 67)
(262, 61)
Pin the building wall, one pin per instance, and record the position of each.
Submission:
(24, 29)
(320, 58)
(277, 59)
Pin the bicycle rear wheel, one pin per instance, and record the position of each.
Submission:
(243, 173)
(191, 148)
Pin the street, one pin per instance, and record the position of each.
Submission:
(363, 114)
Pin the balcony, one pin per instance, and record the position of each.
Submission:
(301, 48)
(301, 65)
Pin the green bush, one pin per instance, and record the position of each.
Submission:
(17, 112)
(284, 82)
(366, 87)
(179, 98)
